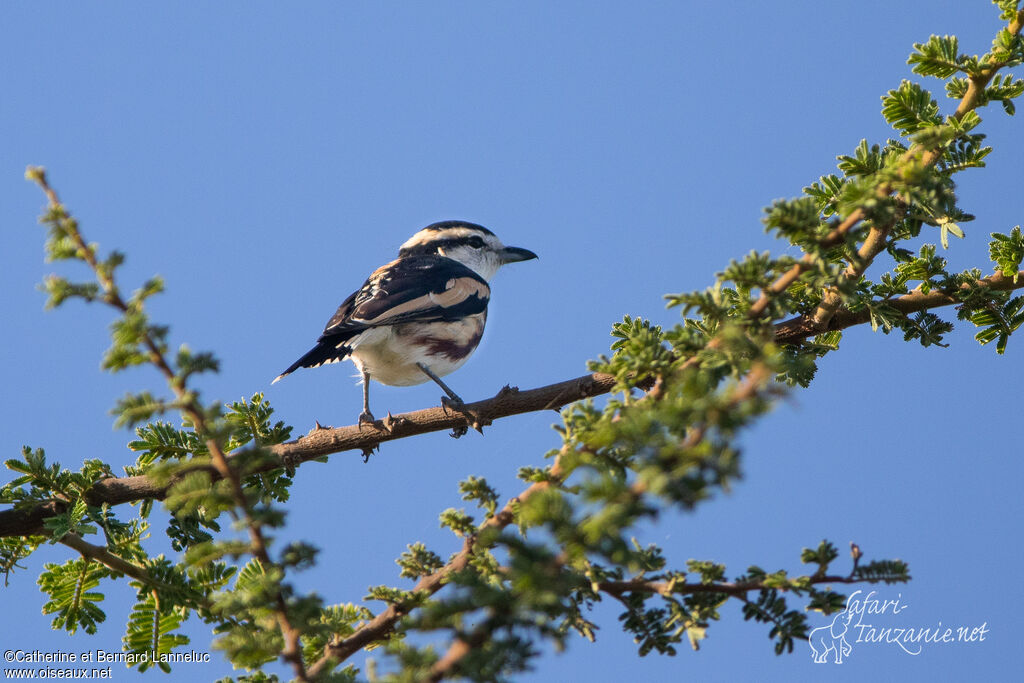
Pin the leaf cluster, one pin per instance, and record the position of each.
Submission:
(530, 571)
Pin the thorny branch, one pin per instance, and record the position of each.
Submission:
(875, 242)
(321, 441)
(27, 521)
(191, 409)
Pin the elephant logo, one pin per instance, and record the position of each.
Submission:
(832, 638)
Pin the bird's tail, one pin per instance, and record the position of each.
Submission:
(322, 354)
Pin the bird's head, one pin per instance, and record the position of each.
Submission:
(472, 245)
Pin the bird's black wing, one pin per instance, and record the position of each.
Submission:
(426, 288)
(410, 289)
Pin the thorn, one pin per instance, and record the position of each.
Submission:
(506, 390)
(479, 422)
(317, 427)
(390, 422)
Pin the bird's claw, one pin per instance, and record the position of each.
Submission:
(449, 403)
(366, 418)
(475, 421)
(290, 462)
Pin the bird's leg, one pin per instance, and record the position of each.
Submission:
(453, 400)
(366, 417)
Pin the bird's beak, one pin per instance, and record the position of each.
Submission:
(513, 254)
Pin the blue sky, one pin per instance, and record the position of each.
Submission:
(265, 157)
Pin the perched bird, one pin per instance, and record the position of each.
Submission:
(419, 317)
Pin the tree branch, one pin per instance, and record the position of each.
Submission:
(801, 327)
(875, 241)
(381, 625)
(384, 623)
(28, 520)
(668, 588)
(193, 410)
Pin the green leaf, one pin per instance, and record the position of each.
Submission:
(250, 421)
(1007, 251)
(1007, 8)
(70, 589)
(910, 108)
(70, 521)
(163, 441)
(189, 363)
(134, 408)
(865, 160)
(999, 322)
(418, 561)
(477, 489)
(938, 57)
(150, 634)
(927, 328)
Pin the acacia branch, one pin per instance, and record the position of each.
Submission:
(801, 327)
(193, 411)
(380, 626)
(459, 649)
(118, 564)
(874, 243)
(669, 588)
(28, 520)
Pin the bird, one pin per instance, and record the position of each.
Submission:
(419, 317)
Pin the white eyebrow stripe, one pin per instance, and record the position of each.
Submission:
(429, 236)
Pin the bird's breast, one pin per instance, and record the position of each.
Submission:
(390, 354)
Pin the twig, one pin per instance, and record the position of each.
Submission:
(292, 652)
(119, 564)
(27, 521)
(381, 625)
(874, 243)
(667, 588)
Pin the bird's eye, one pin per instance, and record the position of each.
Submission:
(476, 242)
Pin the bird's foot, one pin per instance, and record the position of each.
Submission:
(290, 462)
(366, 418)
(368, 451)
(475, 420)
(456, 404)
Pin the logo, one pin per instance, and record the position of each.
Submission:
(872, 620)
(826, 639)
